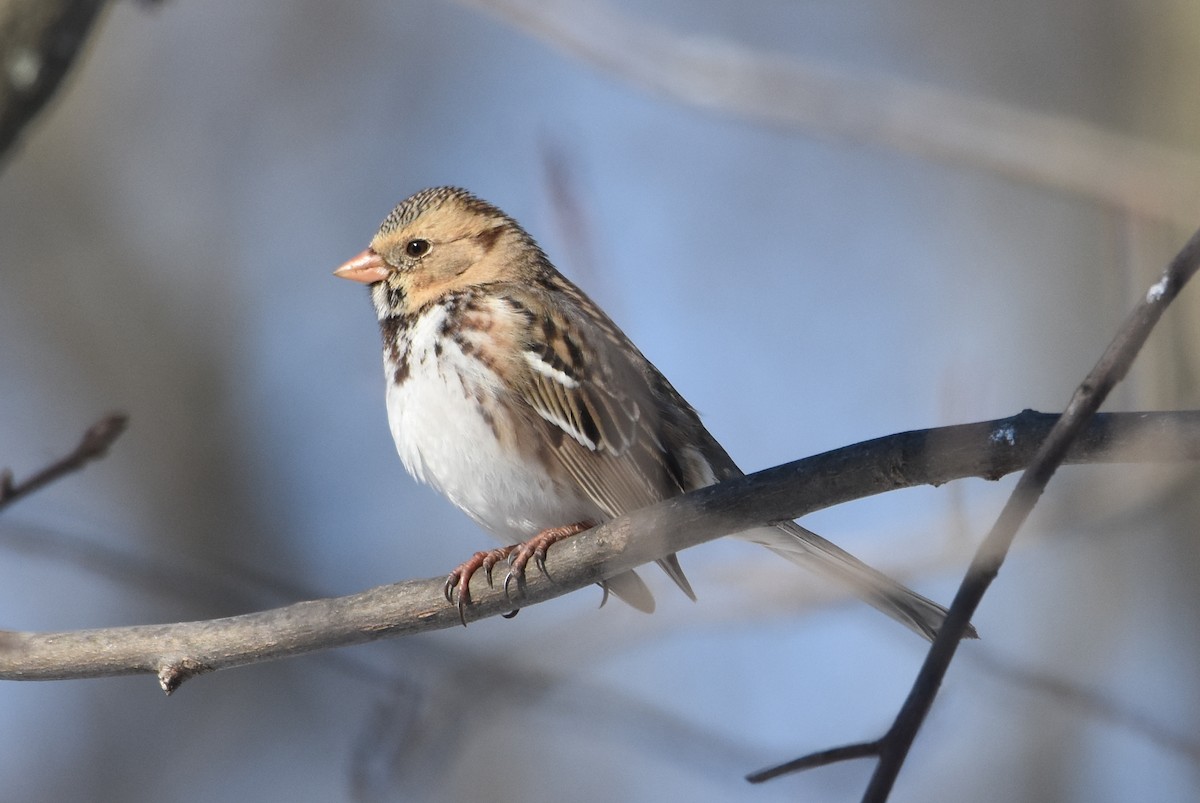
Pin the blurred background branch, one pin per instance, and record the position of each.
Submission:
(167, 237)
(39, 43)
(816, 99)
(94, 445)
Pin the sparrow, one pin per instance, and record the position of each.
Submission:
(514, 395)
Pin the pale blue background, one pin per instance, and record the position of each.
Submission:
(167, 235)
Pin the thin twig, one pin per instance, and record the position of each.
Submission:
(176, 652)
(94, 445)
(1111, 368)
(821, 758)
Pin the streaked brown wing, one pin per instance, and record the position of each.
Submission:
(605, 409)
(603, 423)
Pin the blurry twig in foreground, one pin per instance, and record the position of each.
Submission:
(39, 41)
(93, 446)
(1049, 150)
(892, 748)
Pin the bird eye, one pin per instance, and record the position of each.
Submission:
(416, 248)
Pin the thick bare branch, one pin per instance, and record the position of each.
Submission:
(176, 652)
(1045, 149)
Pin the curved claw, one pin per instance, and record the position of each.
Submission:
(460, 579)
(508, 578)
(491, 559)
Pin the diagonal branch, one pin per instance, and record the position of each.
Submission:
(175, 652)
(1111, 368)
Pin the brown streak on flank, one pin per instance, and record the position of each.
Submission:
(488, 417)
(467, 348)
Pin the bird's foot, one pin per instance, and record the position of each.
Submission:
(535, 548)
(459, 580)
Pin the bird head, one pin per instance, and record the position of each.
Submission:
(439, 241)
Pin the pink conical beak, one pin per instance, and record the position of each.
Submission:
(368, 268)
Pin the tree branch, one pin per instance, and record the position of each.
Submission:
(894, 746)
(822, 100)
(39, 40)
(94, 445)
(176, 652)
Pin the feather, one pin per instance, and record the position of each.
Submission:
(613, 450)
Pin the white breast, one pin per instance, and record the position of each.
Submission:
(445, 440)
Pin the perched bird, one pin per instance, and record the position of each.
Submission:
(513, 394)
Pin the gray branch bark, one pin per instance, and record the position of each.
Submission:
(176, 652)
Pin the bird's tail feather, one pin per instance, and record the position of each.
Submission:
(631, 589)
(807, 549)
